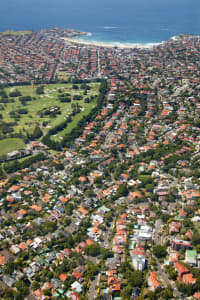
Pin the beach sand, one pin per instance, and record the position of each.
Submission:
(110, 45)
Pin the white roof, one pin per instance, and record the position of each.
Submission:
(76, 286)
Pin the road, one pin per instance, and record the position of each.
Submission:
(105, 243)
(157, 234)
(92, 290)
(99, 64)
(163, 276)
(165, 280)
(171, 207)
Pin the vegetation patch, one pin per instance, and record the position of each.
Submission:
(13, 32)
(28, 109)
(11, 144)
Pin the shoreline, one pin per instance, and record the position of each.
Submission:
(111, 44)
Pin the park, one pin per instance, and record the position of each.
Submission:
(29, 112)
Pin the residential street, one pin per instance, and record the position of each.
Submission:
(165, 280)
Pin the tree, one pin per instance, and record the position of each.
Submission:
(135, 278)
(35, 285)
(67, 221)
(47, 227)
(59, 166)
(93, 250)
(165, 217)
(146, 180)
(22, 288)
(186, 289)
(15, 93)
(9, 294)
(92, 270)
(188, 223)
(172, 273)
(84, 86)
(69, 209)
(9, 268)
(75, 87)
(166, 294)
(159, 251)
(24, 99)
(77, 97)
(149, 187)
(106, 253)
(3, 94)
(196, 238)
(40, 90)
(87, 100)
(37, 133)
(98, 180)
(126, 292)
(122, 190)
(65, 99)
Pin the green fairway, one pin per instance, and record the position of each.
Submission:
(46, 109)
(75, 121)
(11, 144)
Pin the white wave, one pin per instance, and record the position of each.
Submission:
(110, 27)
(89, 34)
(174, 38)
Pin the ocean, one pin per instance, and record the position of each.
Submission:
(124, 21)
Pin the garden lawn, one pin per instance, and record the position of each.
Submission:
(11, 144)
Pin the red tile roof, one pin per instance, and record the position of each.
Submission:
(2, 260)
(138, 251)
(38, 293)
(14, 188)
(22, 246)
(196, 295)
(77, 275)
(63, 277)
(180, 269)
(83, 210)
(154, 281)
(189, 279)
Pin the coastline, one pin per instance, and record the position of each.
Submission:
(111, 44)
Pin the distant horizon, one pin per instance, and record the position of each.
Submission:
(130, 21)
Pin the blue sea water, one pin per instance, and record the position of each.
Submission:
(125, 21)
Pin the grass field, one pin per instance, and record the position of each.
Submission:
(75, 121)
(21, 32)
(26, 122)
(48, 100)
(11, 144)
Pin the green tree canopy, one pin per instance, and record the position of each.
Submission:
(159, 251)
